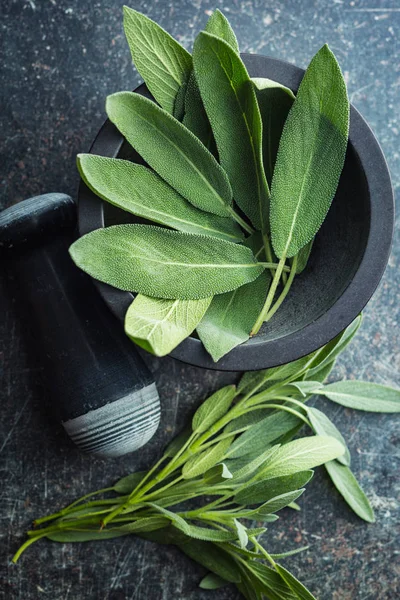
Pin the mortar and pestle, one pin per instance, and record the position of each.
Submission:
(106, 397)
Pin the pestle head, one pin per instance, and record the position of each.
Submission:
(33, 221)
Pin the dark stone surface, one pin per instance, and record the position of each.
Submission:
(59, 61)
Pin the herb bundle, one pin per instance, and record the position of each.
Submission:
(236, 464)
(240, 176)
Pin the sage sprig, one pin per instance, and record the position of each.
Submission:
(235, 467)
(227, 158)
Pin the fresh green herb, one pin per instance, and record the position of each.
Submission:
(236, 464)
(226, 155)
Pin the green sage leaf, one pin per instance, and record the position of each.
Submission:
(200, 463)
(322, 425)
(310, 157)
(195, 117)
(219, 25)
(249, 468)
(177, 442)
(212, 409)
(159, 325)
(289, 553)
(301, 455)
(146, 524)
(212, 582)
(127, 484)
(298, 588)
(276, 504)
(161, 263)
(162, 62)
(172, 151)
(226, 89)
(302, 257)
(348, 486)
(217, 474)
(275, 101)
(262, 491)
(142, 192)
(242, 535)
(225, 325)
(213, 558)
(362, 395)
(85, 535)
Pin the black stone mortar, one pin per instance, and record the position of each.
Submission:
(347, 262)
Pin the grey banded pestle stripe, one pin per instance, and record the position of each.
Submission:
(118, 427)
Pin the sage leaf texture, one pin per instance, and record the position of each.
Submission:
(212, 582)
(348, 486)
(322, 425)
(262, 491)
(200, 463)
(127, 484)
(303, 256)
(217, 474)
(225, 325)
(301, 455)
(362, 395)
(158, 325)
(298, 588)
(162, 263)
(212, 409)
(219, 25)
(310, 157)
(85, 535)
(227, 92)
(162, 62)
(172, 151)
(278, 502)
(275, 101)
(142, 192)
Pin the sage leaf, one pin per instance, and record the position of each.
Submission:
(207, 535)
(225, 325)
(142, 192)
(249, 468)
(159, 325)
(303, 256)
(200, 463)
(212, 409)
(226, 89)
(127, 484)
(362, 395)
(219, 25)
(298, 588)
(146, 524)
(310, 157)
(195, 117)
(257, 381)
(172, 151)
(257, 437)
(177, 442)
(212, 582)
(262, 491)
(322, 425)
(213, 558)
(274, 583)
(241, 533)
(276, 504)
(85, 535)
(217, 474)
(289, 553)
(348, 486)
(163, 263)
(320, 375)
(301, 455)
(275, 101)
(331, 351)
(162, 62)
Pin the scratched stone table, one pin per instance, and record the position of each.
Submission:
(59, 61)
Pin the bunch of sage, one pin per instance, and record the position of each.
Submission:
(236, 464)
(240, 175)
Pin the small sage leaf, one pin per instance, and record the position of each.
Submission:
(177, 442)
(200, 463)
(217, 474)
(298, 588)
(127, 484)
(322, 425)
(146, 524)
(226, 89)
(276, 504)
(348, 486)
(212, 409)
(362, 395)
(303, 256)
(195, 117)
(249, 468)
(213, 558)
(162, 62)
(219, 25)
(162, 263)
(212, 582)
(140, 191)
(225, 325)
(301, 455)
(310, 157)
(275, 101)
(85, 535)
(172, 151)
(289, 553)
(241, 533)
(158, 325)
(262, 491)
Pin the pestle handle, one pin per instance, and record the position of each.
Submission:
(99, 386)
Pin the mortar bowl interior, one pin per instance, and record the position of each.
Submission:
(348, 258)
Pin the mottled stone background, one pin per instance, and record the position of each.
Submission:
(59, 61)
